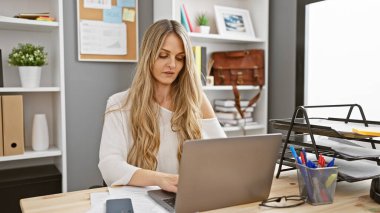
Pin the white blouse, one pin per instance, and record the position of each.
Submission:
(117, 139)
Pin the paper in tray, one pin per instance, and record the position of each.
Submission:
(320, 126)
(348, 149)
(352, 171)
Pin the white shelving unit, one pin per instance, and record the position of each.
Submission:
(50, 97)
(259, 12)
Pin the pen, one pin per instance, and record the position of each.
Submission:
(304, 153)
(331, 163)
(302, 158)
(294, 153)
(310, 164)
(321, 161)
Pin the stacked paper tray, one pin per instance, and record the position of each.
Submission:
(320, 126)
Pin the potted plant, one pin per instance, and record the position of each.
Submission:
(202, 22)
(29, 59)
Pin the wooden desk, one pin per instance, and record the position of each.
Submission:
(349, 197)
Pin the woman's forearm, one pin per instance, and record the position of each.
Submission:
(144, 177)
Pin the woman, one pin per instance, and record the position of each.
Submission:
(145, 126)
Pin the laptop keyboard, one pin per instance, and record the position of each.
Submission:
(170, 201)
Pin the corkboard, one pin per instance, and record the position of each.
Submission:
(131, 35)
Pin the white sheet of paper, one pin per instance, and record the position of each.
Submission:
(98, 201)
(105, 4)
(97, 37)
(141, 201)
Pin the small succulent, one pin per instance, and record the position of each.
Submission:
(202, 20)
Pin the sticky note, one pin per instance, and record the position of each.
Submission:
(126, 3)
(112, 15)
(129, 14)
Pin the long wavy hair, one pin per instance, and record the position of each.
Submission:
(144, 111)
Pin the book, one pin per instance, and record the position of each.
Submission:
(235, 121)
(370, 131)
(32, 15)
(184, 21)
(1, 71)
(188, 19)
(231, 109)
(249, 123)
(232, 115)
(204, 64)
(197, 50)
(230, 102)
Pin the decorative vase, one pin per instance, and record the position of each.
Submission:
(40, 133)
(204, 29)
(30, 76)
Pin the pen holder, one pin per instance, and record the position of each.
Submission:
(317, 184)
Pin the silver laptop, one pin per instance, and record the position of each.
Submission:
(217, 173)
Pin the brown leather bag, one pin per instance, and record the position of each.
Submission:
(245, 67)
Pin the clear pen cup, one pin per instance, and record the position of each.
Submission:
(317, 184)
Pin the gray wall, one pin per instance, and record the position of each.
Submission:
(88, 85)
(282, 58)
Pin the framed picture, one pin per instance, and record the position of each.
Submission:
(233, 21)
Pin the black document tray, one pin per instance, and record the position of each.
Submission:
(301, 126)
(339, 128)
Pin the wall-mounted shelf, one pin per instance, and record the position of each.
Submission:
(217, 38)
(237, 128)
(21, 89)
(29, 154)
(229, 88)
(10, 23)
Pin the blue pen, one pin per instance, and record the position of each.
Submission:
(310, 164)
(294, 153)
(331, 163)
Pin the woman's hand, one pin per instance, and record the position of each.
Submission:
(168, 182)
(165, 181)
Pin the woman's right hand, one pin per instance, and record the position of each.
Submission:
(165, 181)
(168, 182)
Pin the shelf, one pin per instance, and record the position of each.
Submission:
(22, 89)
(29, 154)
(9, 23)
(237, 128)
(228, 87)
(217, 38)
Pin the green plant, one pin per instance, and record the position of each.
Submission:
(27, 55)
(202, 20)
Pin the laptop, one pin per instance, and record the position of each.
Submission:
(222, 172)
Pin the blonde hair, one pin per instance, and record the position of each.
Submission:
(144, 111)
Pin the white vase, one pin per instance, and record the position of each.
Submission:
(30, 76)
(204, 29)
(40, 133)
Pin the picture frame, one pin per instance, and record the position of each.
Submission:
(234, 22)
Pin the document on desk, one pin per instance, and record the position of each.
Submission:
(141, 202)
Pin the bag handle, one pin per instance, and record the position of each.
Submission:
(236, 54)
(237, 100)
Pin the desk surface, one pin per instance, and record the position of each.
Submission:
(349, 197)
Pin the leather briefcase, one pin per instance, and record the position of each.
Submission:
(245, 67)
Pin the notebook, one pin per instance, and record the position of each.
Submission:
(217, 173)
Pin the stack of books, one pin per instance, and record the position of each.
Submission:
(36, 16)
(228, 115)
(201, 62)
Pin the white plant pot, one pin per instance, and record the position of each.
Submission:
(40, 133)
(204, 29)
(30, 76)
